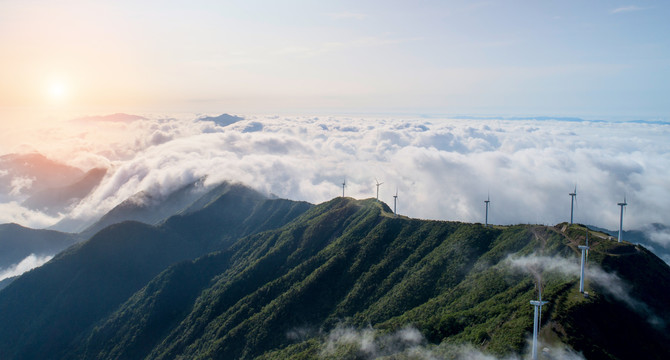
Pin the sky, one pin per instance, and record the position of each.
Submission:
(68, 58)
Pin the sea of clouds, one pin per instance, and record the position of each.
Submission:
(442, 168)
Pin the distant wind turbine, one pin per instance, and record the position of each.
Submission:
(395, 200)
(486, 218)
(378, 183)
(622, 204)
(572, 203)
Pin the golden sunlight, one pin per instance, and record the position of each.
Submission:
(57, 91)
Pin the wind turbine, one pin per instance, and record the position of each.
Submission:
(344, 183)
(378, 183)
(622, 204)
(536, 318)
(572, 203)
(486, 219)
(395, 200)
(583, 248)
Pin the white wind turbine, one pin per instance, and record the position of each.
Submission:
(378, 183)
(395, 200)
(573, 195)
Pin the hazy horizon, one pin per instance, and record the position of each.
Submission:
(438, 57)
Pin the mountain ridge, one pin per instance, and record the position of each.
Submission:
(18, 242)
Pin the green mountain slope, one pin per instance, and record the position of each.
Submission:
(46, 310)
(351, 265)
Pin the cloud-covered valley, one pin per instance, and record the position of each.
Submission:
(442, 168)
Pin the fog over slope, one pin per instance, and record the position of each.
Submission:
(443, 168)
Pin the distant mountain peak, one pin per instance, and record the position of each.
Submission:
(223, 119)
(40, 170)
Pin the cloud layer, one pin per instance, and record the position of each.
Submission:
(442, 168)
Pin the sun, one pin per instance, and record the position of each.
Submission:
(57, 91)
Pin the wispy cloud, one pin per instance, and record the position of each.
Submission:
(626, 9)
(608, 282)
(409, 343)
(30, 262)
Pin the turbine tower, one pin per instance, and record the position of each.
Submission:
(583, 248)
(395, 200)
(536, 319)
(622, 204)
(378, 183)
(572, 203)
(486, 219)
(344, 183)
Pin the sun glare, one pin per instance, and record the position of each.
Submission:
(57, 91)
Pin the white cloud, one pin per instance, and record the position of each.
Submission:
(443, 168)
(660, 236)
(20, 184)
(13, 212)
(30, 262)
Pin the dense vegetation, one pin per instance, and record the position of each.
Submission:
(342, 267)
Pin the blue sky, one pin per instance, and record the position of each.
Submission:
(568, 58)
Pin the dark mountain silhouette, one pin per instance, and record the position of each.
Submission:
(17, 242)
(223, 119)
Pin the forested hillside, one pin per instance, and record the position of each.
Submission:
(346, 279)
